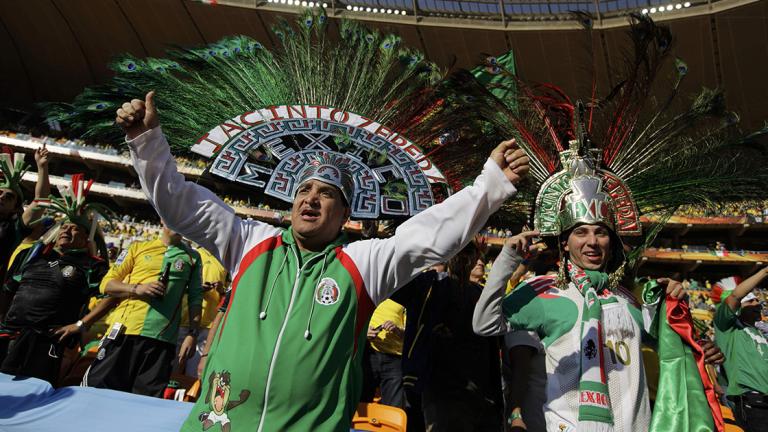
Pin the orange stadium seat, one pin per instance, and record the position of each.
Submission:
(730, 422)
(380, 418)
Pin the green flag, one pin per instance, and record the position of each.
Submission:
(685, 399)
(495, 75)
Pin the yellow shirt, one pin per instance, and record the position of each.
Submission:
(24, 245)
(385, 341)
(213, 271)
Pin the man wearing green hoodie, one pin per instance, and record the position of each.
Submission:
(289, 346)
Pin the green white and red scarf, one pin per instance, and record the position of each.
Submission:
(594, 402)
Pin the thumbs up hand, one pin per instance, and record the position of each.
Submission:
(138, 116)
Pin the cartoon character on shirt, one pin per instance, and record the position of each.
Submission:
(219, 400)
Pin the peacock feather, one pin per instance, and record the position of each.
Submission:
(348, 67)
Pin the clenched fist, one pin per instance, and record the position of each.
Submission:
(138, 116)
(512, 160)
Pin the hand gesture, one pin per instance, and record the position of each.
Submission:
(66, 331)
(151, 289)
(138, 116)
(373, 332)
(392, 328)
(41, 157)
(522, 242)
(674, 288)
(512, 160)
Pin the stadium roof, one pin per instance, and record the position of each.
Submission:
(54, 48)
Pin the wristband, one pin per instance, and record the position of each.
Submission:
(133, 289)
(79, 324)
(514, 416)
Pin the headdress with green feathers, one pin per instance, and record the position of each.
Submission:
(73, 208)
(261, 115)
(647, 155)
(12, 167)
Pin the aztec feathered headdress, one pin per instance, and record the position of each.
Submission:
(12, 168)
(263, 115)
(633, 154)
(73, 207)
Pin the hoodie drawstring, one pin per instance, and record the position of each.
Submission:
(307, 332)
(263, 314)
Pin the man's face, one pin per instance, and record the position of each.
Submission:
(589, 246)
(750, 311)
(9, 201)
(318, 213)
(72, 236)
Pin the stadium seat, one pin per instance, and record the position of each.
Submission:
(730, 422)
(377, 417)
(185, 388)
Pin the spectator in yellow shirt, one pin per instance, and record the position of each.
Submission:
(383, 355)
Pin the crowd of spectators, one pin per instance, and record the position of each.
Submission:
(139, 283)
(755, 212)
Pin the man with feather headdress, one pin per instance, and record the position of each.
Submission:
(298, 356)
(50, 285)
(323, 122)
(14, 219)
(590, 197)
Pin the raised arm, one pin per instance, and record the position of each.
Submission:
(187, 208)
(42, 187)
(488, 319)
(439, 232)
(734, 300)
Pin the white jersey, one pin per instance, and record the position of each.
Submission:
(623, 362)
(555, 316)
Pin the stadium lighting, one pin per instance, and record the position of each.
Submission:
(349, 7)
(403, 13)
(325, 5)
(389, 11)
(645, 12)
(687, 4)
(304, 3)
(367, 9)
(311, 4)
(375, 10)
(670, 7)
(653, 10)
(678, 6)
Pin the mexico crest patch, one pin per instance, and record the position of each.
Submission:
(327, 292)
(68, 271)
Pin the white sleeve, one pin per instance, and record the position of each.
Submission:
(430, 237)
(488, 318)
(189, 209)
